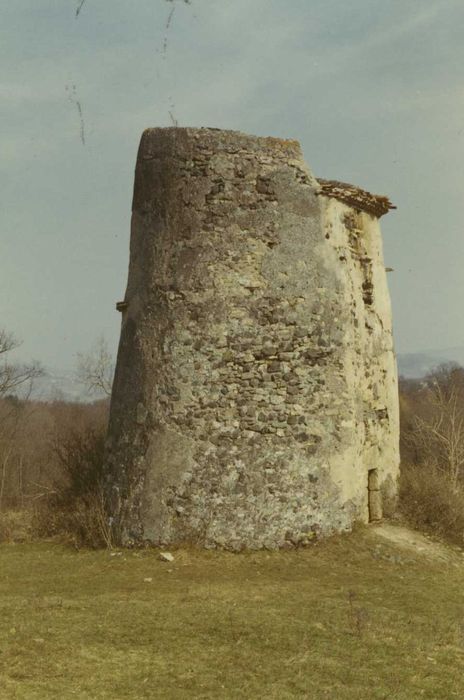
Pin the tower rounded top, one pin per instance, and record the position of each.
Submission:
(156, 141)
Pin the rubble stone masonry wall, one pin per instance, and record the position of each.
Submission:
(256, 383)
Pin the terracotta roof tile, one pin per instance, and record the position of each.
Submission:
(355, 197)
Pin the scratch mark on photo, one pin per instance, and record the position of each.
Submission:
(73, 98)
(168, 24)
(79, 8)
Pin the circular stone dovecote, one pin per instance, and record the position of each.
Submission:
(255, 387)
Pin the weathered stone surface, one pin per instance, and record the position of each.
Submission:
(256, 381)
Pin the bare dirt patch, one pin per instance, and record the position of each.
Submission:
(417, 542)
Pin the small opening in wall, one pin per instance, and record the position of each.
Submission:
(374, 496)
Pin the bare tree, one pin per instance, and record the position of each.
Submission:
(95, 369)
(15, 376)
(11, 417)
(16, 383)
(438, 430)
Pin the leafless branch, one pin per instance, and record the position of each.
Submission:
(95, 369)
(15, 376)
(7, 342)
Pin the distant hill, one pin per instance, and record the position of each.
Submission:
(418, 364)
(60, 385)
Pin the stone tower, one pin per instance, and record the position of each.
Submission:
(255, 396)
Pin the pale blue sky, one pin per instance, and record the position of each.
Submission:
(373, 89)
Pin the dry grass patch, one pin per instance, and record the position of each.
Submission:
(354, 617)
(430, 501)
(16, 526)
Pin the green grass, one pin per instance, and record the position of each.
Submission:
(343, 619)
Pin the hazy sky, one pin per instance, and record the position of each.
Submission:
(373, 89)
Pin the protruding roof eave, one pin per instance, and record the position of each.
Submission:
(374, 204)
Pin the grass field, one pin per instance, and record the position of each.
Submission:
(354, 617)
